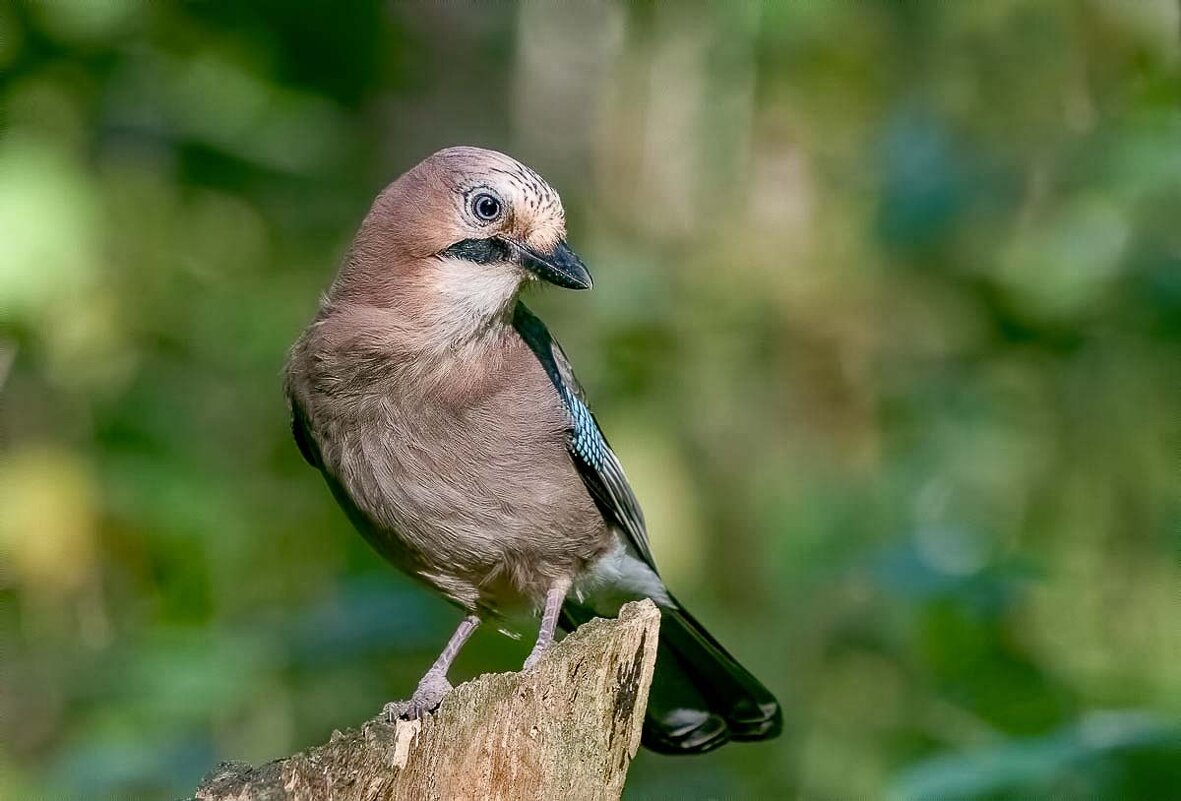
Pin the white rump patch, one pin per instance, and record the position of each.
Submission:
(618, 577)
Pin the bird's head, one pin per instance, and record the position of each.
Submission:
(458, 234)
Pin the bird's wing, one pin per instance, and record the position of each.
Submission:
(299, 429)
(596, 462)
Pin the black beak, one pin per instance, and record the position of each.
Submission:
(561, 266)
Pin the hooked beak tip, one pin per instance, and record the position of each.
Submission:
(561, 266)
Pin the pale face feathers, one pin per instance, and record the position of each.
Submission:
(530, 210)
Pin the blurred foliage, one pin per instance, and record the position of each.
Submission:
(887, 329)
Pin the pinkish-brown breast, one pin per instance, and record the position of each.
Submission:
(455, 464)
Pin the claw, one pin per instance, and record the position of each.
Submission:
(426, 699)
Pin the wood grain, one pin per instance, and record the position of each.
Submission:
(567, 729)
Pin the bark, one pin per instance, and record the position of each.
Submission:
(567, 729)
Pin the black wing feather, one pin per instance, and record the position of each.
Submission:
(303, 437)
(596, 462)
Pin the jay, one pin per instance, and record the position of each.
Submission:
(449, 426)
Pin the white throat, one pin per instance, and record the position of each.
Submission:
(473, 298)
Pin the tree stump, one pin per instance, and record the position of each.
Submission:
(566, 729)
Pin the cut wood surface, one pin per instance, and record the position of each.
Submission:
(566, 729)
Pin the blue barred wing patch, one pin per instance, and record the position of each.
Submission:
(585, 438)
(592, 456)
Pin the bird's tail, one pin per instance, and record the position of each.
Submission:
(701, 697)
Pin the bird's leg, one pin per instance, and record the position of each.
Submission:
(549, 620)
(434, 684)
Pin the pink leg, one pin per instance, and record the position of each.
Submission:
(549, 620)
(434, 685)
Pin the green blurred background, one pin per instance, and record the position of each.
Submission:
(886, 329)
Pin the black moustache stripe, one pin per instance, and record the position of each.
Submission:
(481, 251)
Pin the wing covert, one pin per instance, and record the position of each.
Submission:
(299, 430)
(592, 455)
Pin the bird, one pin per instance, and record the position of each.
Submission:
(450, 427)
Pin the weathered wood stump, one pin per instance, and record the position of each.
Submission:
(567, 729)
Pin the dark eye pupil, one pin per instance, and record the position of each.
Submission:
(487, 207)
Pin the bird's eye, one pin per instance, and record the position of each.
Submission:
(486, 207)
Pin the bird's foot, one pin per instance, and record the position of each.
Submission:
(427, 697)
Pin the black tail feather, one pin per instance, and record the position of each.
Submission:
(750, 710)
(701, 697)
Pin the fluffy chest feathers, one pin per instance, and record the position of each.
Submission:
(453, 465)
